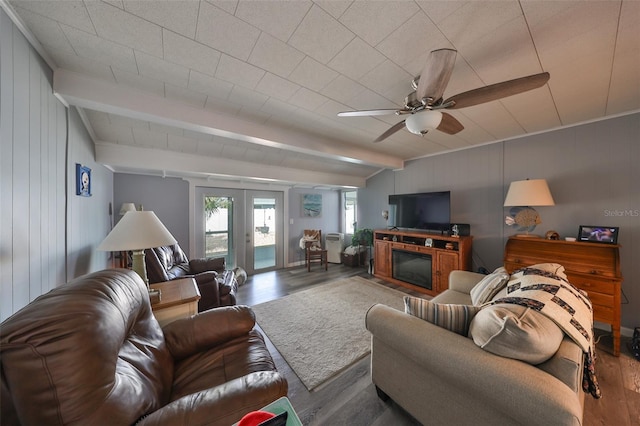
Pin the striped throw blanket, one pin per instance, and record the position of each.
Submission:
(566, 305)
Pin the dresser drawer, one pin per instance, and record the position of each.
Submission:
(604, 314)
(593, 284)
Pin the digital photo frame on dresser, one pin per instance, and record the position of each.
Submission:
(598, 234)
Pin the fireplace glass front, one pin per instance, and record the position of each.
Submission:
(411, 267)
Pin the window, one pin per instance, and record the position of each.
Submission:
(350, 212)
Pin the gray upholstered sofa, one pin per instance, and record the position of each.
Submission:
(441, 377)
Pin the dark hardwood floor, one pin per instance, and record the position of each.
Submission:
(350, 398)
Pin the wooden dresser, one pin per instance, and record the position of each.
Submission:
(592, 267)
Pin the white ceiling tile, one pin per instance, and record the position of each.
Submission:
(122, 121)
(398, 48)
(277, 107)
(368, 99)
(189, 53)
(116, 3)
(149, 139)
(163, 128)
(182, 144)
(312, 74)
(124, 28)
(493, 117)
(390, 81)
(71, 12)
(320, 36)
(334, 8)
(199, 136)
(233, 151)
(624, 92)
(101, 50)
(244, 96)
(187, 96)
(73, 62)
(356, 59)
(373, 21)
(534, 110)
(222, 106)
(277, 87)
(504, 54)
(178, 16)
(47, 31)
(278, 18)
(253, 115)
(159, 69)
(307, 99)
(225, 32)
(210, 149)
(237, 72)
(478, 18)
(209, 85)
(145, 84)
(275, 56)
(438, 10)
(342, 89)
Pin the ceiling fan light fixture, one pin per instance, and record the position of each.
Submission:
(423, 121)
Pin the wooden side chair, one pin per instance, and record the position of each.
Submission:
(314, 252)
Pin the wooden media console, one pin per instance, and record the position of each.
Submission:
(418, 260)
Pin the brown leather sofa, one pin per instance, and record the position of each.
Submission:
(218, 285)
(91, 352)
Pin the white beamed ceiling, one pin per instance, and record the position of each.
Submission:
(249, 90)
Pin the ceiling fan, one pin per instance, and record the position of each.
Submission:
(424, 104)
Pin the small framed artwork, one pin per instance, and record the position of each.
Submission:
(598, 234)
(312, 205)
(83, 181)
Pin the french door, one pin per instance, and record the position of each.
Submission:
(245, 227)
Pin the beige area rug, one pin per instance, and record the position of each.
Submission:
(321, 331)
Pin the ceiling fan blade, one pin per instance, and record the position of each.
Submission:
(497, 91)
(365, 113)
(436, 74)
(449, 124)
(396, 127)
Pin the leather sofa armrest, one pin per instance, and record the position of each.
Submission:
(209, 286)
(224, 404)
(217, 264)
(464, 281)
(187, 336)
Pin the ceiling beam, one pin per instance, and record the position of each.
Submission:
(131, 157)
(105, 96)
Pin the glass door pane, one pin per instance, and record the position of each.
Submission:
(218, 229)
(264, 233)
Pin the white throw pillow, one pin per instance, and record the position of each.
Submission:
(517, 332)
(489, 286)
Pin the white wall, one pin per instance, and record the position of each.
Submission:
(36, 162)
(592, 170)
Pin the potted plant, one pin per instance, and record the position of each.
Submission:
(362, 237)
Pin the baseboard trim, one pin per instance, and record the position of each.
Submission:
(624, 331)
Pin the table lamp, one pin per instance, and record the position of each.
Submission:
(522, 195)
(137, 231)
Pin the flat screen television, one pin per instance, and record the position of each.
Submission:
(430, 211)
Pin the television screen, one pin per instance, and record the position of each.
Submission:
(426, 210)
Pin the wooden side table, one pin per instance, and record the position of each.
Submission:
(178, 299)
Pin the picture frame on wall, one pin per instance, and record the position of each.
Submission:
(598, 234)
(311, 205)
(83, 181)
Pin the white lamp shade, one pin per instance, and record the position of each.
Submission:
(421, 122)
(127, 207)
(137, 230)
(530, 192)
